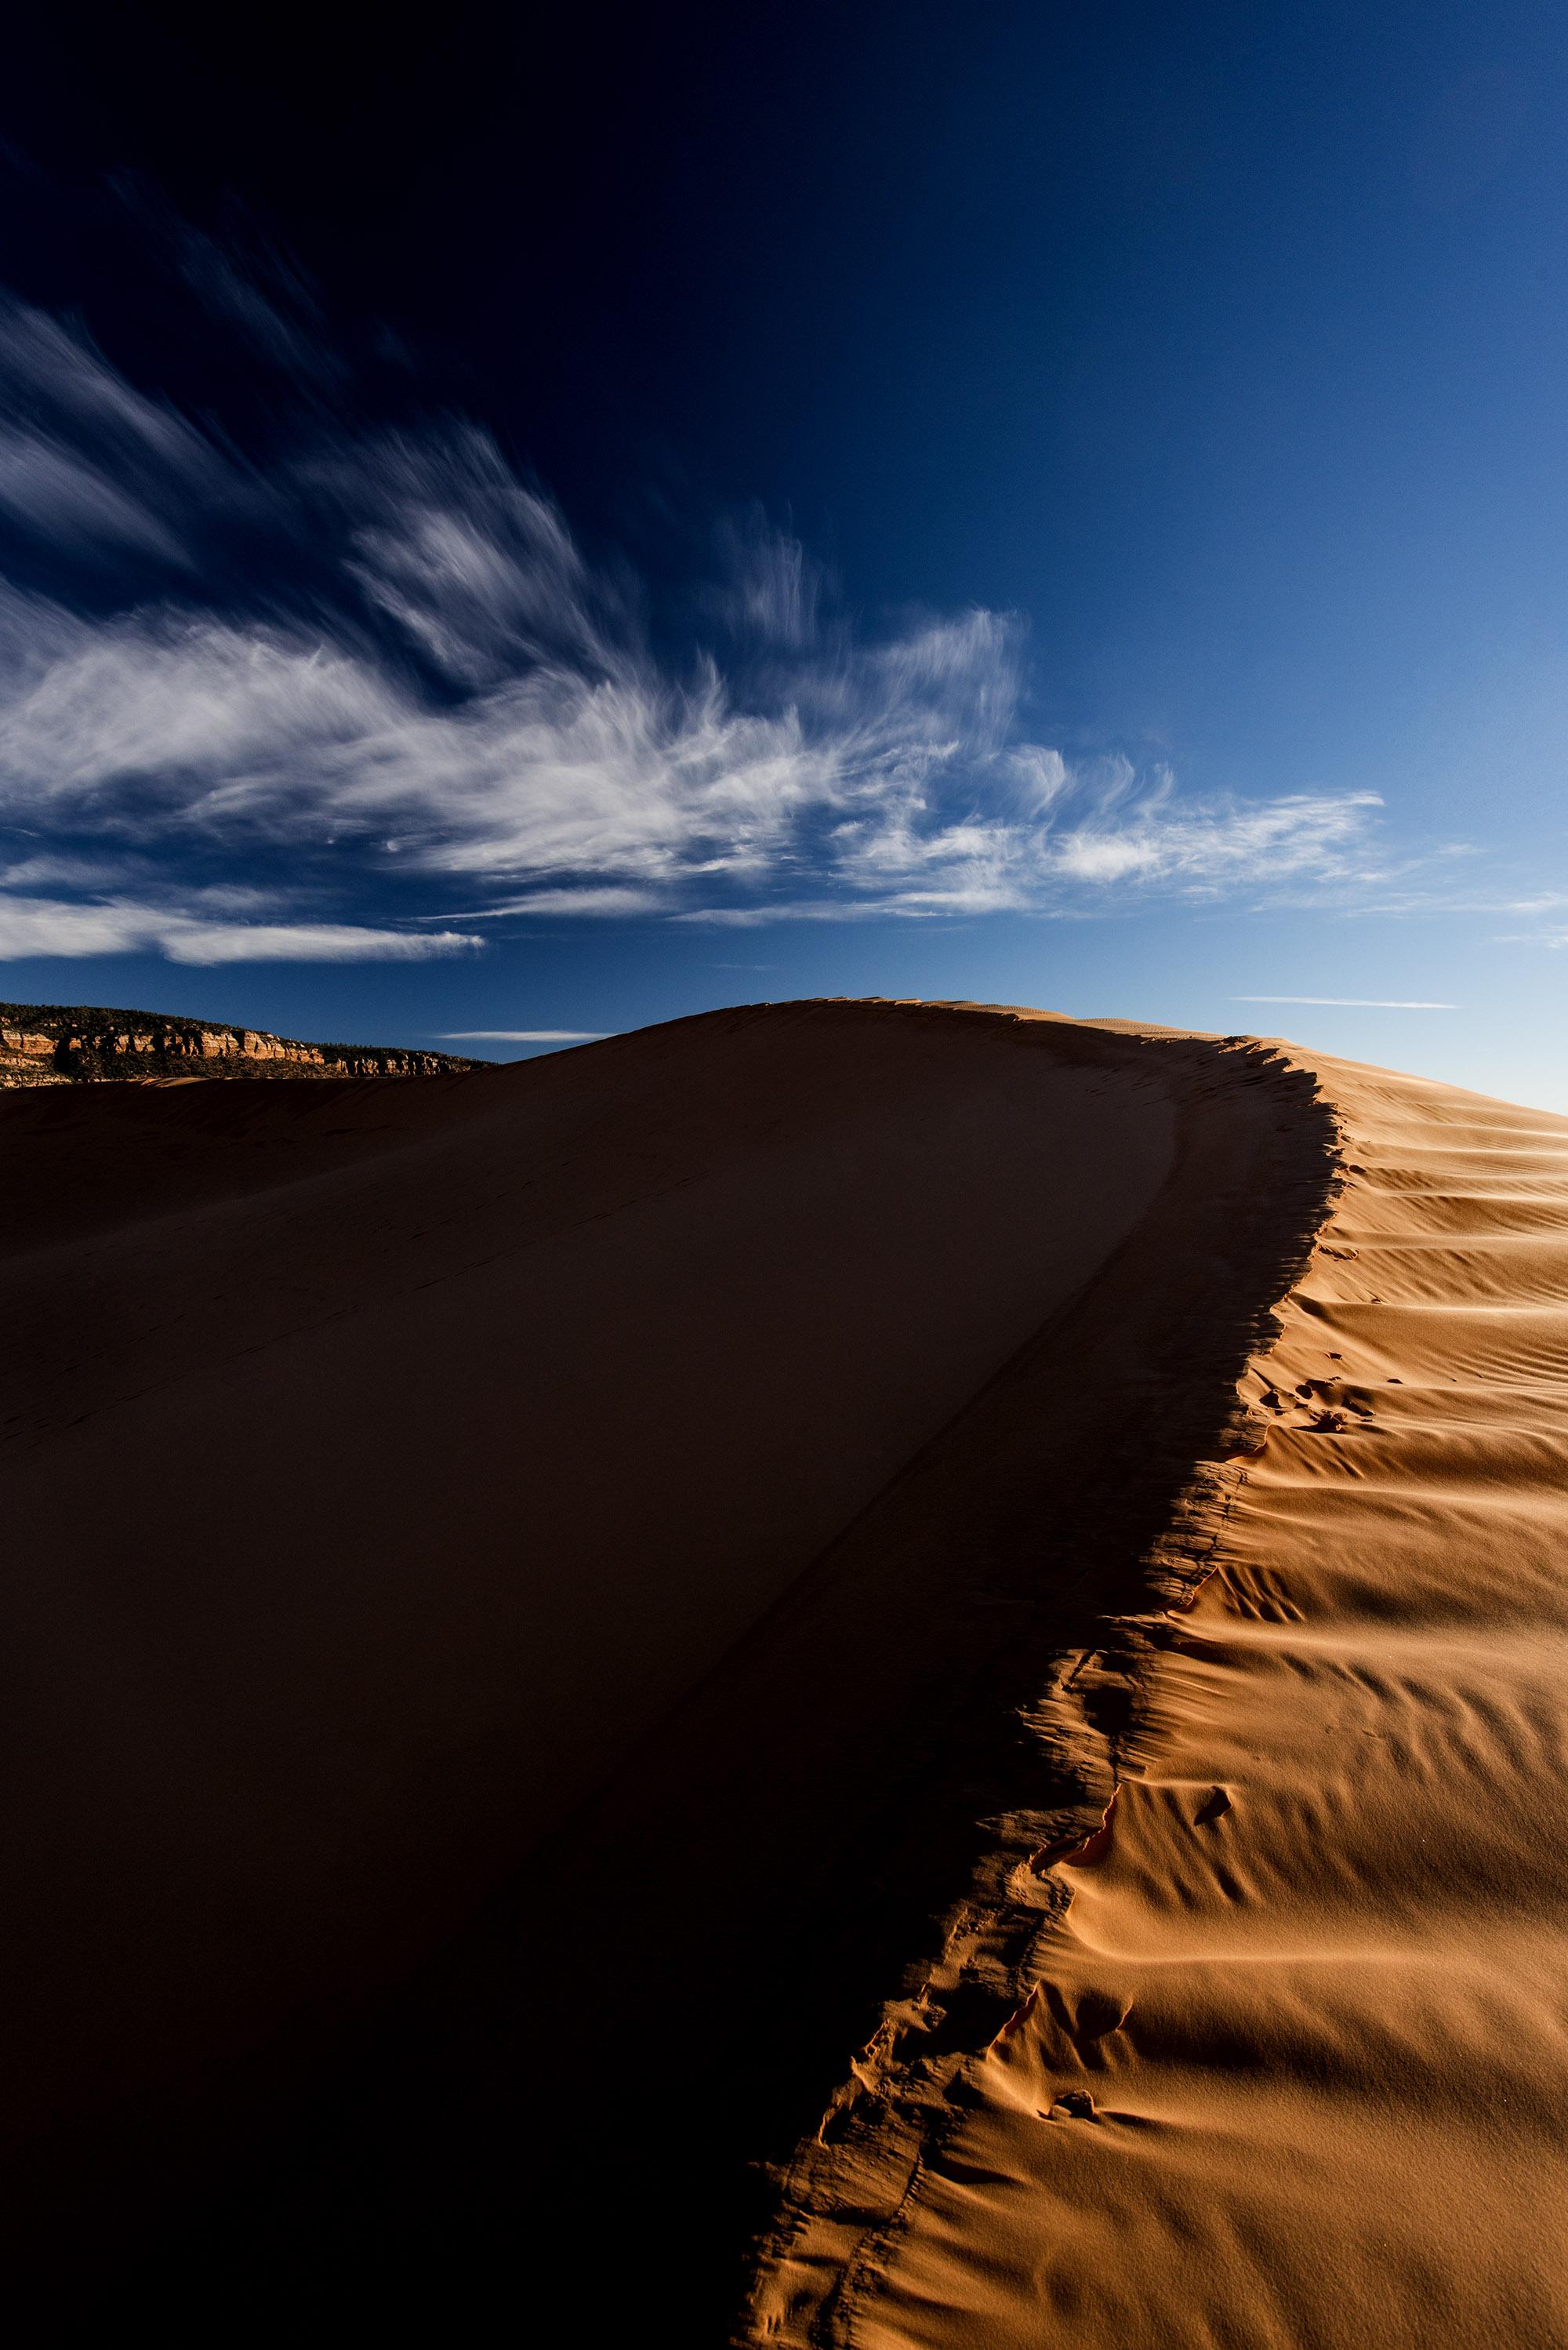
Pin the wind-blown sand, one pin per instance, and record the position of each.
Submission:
(1287, 2061)
(520, 1589)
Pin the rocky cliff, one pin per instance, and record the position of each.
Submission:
(66, 1043)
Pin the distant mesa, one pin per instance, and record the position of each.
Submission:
(73, 1044)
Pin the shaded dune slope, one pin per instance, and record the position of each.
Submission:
(1285, 2061)
(519, 1586)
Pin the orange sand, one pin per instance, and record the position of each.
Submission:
(1288, 2064)
(526, 1594)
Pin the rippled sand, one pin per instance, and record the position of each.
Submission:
(1288, 2064)
(543, 1610)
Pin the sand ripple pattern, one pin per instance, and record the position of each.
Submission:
(1292, 2066)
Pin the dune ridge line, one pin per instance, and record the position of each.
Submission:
(1174, 1321)
(1288, 2059)
(1029, 1550)
(391, 1471)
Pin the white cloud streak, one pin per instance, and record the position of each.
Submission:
(470, 699)
(525, 1035)
(53, 926)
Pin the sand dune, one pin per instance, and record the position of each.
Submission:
(520, 1587)
(1289, 2055)
(381, 1464)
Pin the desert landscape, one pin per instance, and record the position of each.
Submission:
(893, 1665)
(827, 1610)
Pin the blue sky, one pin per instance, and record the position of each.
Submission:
(1033, 508)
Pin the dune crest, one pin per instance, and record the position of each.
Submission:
(1287, 2061)
(546, 1606)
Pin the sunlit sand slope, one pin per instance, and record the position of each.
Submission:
(1287, 2059)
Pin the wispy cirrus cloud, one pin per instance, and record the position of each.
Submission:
(102, 926)
(383, 666)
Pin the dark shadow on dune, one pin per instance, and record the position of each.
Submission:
(560, 2129)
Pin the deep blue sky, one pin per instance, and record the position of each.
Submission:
(1057, 505)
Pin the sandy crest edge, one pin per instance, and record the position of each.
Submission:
(1158, 1356)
